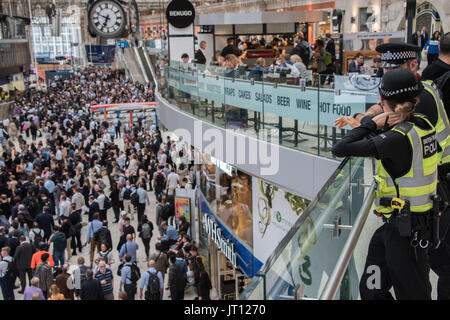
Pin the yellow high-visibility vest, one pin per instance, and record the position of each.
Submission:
(420, 182)
(442, 124)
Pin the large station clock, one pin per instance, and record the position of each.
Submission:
(107, 18)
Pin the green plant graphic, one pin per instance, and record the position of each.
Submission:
(265, 205)
(297, 203)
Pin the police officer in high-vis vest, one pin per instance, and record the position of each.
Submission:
(403, 55)
(405, 145)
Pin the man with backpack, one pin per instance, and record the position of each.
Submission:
(129, 248)
(104, 204)
(79, 275)
(8, 274)
(45, 222)
(152, 283)
(303, 49)
(59, 245)
(143, 199)
(127, 191)
(177, 281)
(159, 182)
(129, 277)
(76, 221)
(103, 235)
(36, 235)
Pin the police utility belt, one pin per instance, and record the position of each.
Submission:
(421, 228)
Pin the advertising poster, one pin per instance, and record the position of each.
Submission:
(41, 77)
(274, 213)
(183, 208)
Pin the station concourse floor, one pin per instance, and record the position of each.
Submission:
(150, 211)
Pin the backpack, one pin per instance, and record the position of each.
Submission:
(303, 52)
(135, 199)
(37, 238)
(153, 287)
(101, 236)
(135, 273)
(146, 231)
(160, 179)
(127, 194)
(83, 270)
(107, 203)
(12, 272)
(166, 212)
(328, 58)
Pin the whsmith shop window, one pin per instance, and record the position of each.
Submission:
(235, 203)
(229, 194)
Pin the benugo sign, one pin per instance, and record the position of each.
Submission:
(180, 13)
(284, 101)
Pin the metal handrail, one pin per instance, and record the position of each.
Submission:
(332, 286)
(155, 78)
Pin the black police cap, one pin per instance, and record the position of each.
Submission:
(399, 84)
(395, 54)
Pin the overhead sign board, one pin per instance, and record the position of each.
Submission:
(180, 13)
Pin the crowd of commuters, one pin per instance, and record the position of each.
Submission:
(62, 169)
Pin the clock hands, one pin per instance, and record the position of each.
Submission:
(106, 19)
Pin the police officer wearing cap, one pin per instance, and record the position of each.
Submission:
(406, 148)
(403, 56)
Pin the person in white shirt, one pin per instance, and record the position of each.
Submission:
(101, 204)
(64, 206)
(77, 198)
(58, 155)
(172, 181)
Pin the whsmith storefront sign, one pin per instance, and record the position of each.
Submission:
(235, 249)
(180, 13)
(215, 233)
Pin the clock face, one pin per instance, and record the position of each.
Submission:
(107, 18)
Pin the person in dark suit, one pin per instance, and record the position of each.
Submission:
(355, 66)
(22, 258)
(330, 46)
(93, 207)
(91, 288)
(425, 35)
(418, 41)
(45, 222)
(230, 49)
(200, 54)
(13, 242)
(75, 220)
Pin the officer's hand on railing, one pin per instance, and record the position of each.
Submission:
(346, 120)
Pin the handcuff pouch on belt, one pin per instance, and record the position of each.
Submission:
(423, 229)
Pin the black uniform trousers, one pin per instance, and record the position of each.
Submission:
(401, 266)
(440, 258)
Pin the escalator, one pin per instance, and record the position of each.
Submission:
(132, 63)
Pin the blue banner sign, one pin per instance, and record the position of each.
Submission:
(100, 54)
